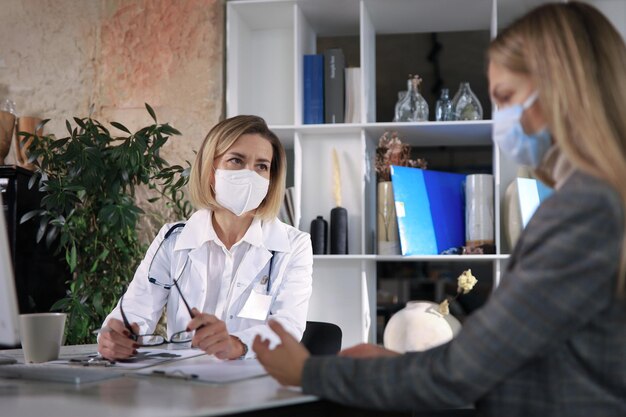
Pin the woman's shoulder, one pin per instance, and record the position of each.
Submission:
(293, 233)
(588, 190)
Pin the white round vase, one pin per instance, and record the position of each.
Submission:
(419, 326)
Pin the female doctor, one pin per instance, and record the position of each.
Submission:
(233, 261)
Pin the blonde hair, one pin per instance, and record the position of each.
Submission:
(577, 60)
(217, 142)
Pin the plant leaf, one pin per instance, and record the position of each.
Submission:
(152, 114)
(121, 127)
(27, 216)
(72, 260)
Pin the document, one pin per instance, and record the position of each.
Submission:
(145, 357)
(208, 369)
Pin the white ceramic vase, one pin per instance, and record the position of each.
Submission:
(419, 326)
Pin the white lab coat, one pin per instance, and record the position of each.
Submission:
(290, 282)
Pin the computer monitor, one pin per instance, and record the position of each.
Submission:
(9, 315)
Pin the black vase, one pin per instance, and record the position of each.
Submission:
(319, 235)
(339, 231)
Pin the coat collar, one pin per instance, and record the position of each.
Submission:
(271, 235)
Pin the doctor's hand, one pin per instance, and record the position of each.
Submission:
(366, 350)
(212, 336)
(286, 361)
(115, 341)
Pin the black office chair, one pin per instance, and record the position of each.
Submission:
(322, 338)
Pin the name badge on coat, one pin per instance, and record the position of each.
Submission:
(257, 306)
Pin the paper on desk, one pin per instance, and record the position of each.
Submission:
(209, 369)
(144, 358)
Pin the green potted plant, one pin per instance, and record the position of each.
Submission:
(89, 212)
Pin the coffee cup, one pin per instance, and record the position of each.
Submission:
(41, 335)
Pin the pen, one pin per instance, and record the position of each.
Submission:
(175, 374)
(102, 330)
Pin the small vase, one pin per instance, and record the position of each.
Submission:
(418, 327)
(411, 106)
(386, 223)
(7, 125)
(465, 104)
(479, 211)
(443, 107)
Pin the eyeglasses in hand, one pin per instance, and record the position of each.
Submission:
(156, 339)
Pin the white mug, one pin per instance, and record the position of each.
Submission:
(41, 335)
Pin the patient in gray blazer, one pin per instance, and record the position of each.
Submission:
(551, 340)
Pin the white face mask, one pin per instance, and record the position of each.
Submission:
(508, 133)
(241, 190)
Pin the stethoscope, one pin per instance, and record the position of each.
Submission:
(266, 280)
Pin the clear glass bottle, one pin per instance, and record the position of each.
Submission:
(412, 107)
(465, 104)
(443, 107)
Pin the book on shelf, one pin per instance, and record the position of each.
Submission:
(334, 85)
(353, 95)
(313, 86)
(430, 208)
(287, 213)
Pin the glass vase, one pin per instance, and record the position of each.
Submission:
(443, 107)
(411, 107)
(465, 104)
(386, 224)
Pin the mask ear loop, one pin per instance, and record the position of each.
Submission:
(530, 100)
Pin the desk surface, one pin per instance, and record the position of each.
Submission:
(140, 396)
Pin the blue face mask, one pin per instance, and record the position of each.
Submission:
(508, 133)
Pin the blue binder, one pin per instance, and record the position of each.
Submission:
(430, 207)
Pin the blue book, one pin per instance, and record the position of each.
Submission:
(430, 207)
(313, 97)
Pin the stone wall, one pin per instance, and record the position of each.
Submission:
(58, 58)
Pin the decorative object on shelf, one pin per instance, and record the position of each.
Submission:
(419, 326)
(89, 179)
(521, 198)
(465, 104)
(32, 126)
(423, 325)
(479, 212)
(386, 222)
(7, 126)
(443, 107)
(412, 107)
(338, 215)
(465, 282)
(319, 235)
(390, 151)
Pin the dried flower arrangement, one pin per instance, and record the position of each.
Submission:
(465, 283)
(391, 151)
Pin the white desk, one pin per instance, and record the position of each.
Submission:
(140, 396)
(155, 397)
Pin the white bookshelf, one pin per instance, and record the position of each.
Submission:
(266, 40)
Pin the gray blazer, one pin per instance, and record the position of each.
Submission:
(550, 341)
